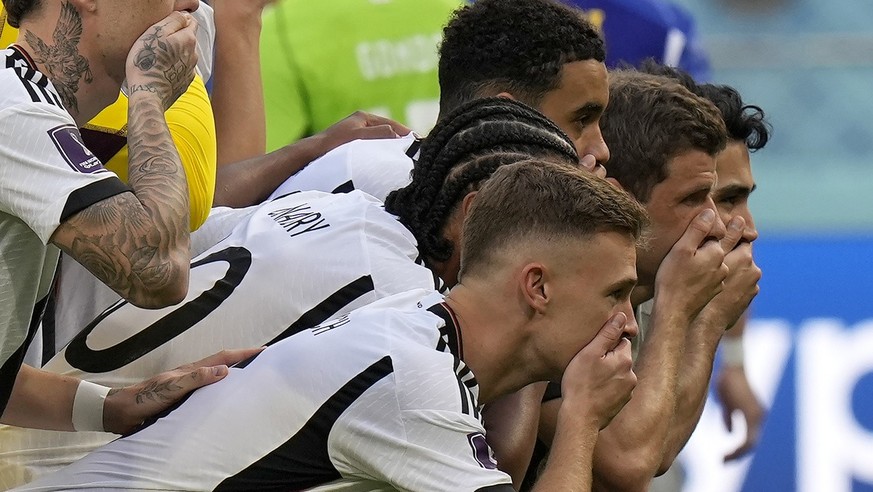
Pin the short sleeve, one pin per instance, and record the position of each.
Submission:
(48, 174)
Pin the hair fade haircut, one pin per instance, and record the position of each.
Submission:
(543, 201)
(18, 9)
(517, 46)
(451, 163)
(744, 122)
(650, 120)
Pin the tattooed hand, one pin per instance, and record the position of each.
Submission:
(126, 408)
(163, 59)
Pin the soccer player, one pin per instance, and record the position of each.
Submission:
(665, 141)
(287, 265)
(55, 194)
(78, 295)
(389, 396)
(748, 132)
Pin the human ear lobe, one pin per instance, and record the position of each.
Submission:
(534, 287)
(468, 202)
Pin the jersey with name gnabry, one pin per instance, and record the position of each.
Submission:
(46, 176)
(291, 264)
(377, 400)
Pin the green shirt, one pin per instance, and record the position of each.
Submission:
(323, 60)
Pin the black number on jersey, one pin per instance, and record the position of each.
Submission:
(82, 357)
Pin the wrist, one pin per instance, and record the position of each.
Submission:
(89, 407)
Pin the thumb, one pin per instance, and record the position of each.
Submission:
(610, 334)
(698, 230)
(734, 233)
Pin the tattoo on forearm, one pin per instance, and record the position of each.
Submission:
(140, 88)
(61, 61)
(129, 241)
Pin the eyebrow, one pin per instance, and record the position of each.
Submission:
(587, 109)
(735, 189)
(627, 283)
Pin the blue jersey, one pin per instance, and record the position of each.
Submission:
(638, 29)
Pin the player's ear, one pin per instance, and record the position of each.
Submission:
(83, 6)
(467, 203)
(534, 290)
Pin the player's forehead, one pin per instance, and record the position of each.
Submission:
(690, 171)
(733, 165)
(581, 83)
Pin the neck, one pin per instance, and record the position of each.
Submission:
(492, 347)
(54, 40)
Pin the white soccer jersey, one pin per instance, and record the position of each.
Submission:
(377, 167)
(376, 400)
(46, 176)
(295, 262)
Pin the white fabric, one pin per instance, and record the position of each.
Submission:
(307, 256)
(88, 406)
(371, 401)
(376, 167)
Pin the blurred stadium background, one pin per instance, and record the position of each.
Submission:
(809, 64)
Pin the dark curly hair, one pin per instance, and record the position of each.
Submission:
(744, 122)
(518, 46)
(17, 9)
(458, 154)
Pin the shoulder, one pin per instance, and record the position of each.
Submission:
(23, 87)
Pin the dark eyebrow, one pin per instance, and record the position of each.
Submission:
(588, 109)
(735, 189)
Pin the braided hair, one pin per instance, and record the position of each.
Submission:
(452, 163)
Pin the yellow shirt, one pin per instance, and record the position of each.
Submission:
(191, 125)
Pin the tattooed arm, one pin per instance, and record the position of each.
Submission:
(44, 400)
(137, 243)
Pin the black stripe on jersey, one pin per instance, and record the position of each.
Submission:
(412, 150)
(286, 194)
(346, 187)
(450, 338)
(34, 82)
(438, 283)
(90, 194)
(503, 487)
(48, 97)
(9, 370)
(10, 64)
(303, 461)
(329, 307)
(451, 331)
